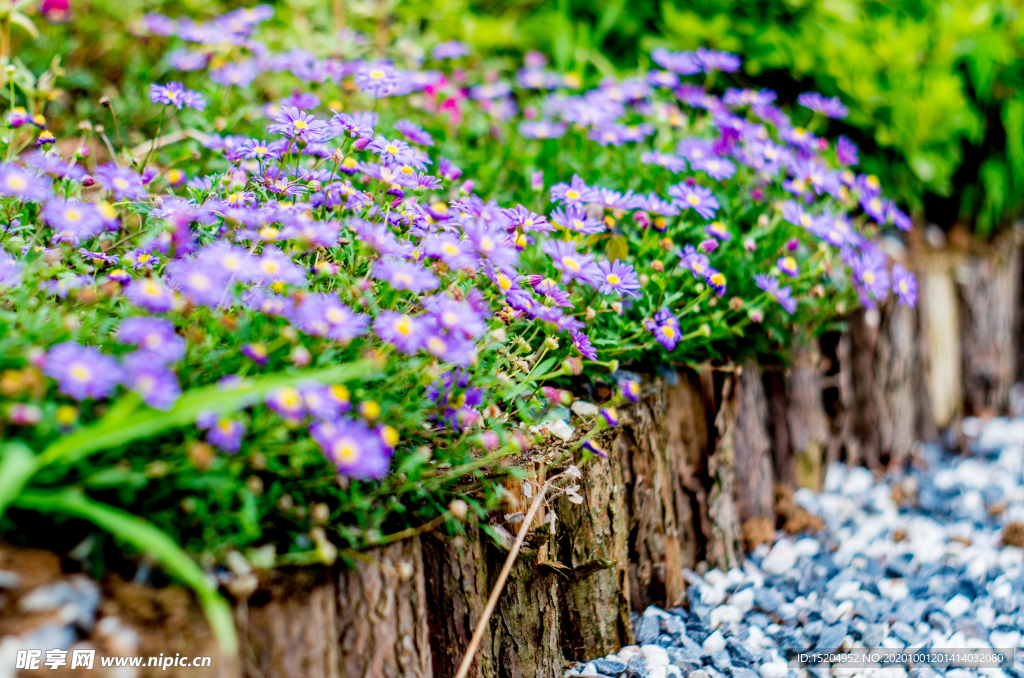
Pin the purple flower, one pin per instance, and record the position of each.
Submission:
(404, 331)
(10, 270)
(542, 129)
(716, 168)
(696, 197)
(449, 249)
(788, 266)
(404, 275)
(325, 402)
(396, 152)
(453, 49)
(73, 221)
(526, 221)
(573, 265)
(152, 380)
(82, 371)
(618, 278)
(257, 149)
(783, 295)
(296, 124)
(414, 133)
(715, 60)
(352, 447)
(716, 280)
(121, 181)
(274, 266)
(575, 218)
(794, 213)
(683, 63)
(154, 336)
(576, 192)
(718, 230)
(581, 343)
(194, 279)
(831, 107)
(378, 80)
(630, 390)
(846, 152)
(175, 94)
(151, 294)
(225, 434)
(455, 316)
(287, 402)
(18, 182)
(668, 334)
(256, 352)
(904, 285)
(323, 315)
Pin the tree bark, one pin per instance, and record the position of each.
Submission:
(456, 573)
(290, 629)
(755, 477)
(989, 286)
(592, 550)
(808, 424)
(724, 548)
(662, 447)
(382, 615)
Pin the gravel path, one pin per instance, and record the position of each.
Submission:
(921, 561)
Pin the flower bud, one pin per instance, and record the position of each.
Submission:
(657, 265)
(551, 342)
(574, 364)
(459, 509)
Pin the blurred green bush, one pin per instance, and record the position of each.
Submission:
(935, 88)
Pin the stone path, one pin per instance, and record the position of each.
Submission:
(927, 559)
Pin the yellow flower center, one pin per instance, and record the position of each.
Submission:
(571, 263)
(613, 279)
(403, 325)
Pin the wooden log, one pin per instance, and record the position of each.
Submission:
(724, 549)
(755, 475)
(989, 288)
(289, 627)
(591, 550)
(456, 574)
(662, 445)
(895, 381)
(809, 428)
(382, 615)
(941, 322)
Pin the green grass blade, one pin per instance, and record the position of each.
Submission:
(118, 428)
(17, 465)
(146, 538)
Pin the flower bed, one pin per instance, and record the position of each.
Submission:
(290, 328)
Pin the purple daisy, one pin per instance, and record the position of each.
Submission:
(175, 94)
(581, 343)
(223, 433)
(404, 331)
(831, 107)
(121, 181)
(404, 275)
(23, 184)
(573, 265)
(151, 294)
(323, 315)
(904, 285)
(618, 278)
(352, 447)
(154, 336)
(783, 295)
(788, 266)
(414, 133)
(82, 371)
(151, 379)
(695, 197)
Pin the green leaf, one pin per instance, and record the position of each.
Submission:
(117, 428)
(617, 248)
(21, 20)
(148, 539)
(17, 465)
